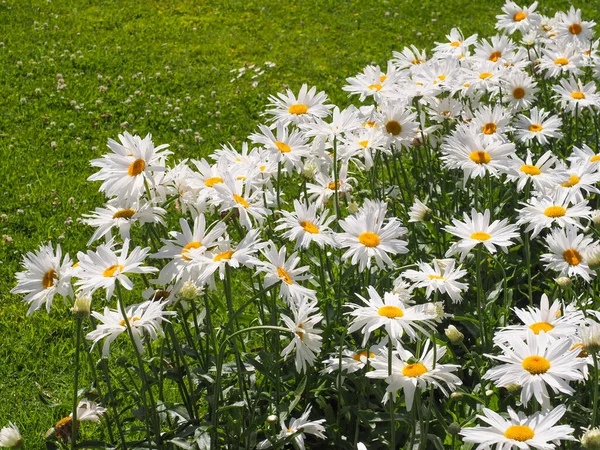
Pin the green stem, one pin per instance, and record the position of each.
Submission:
(480, 307)
(78, 323)
(392, 401)
(595, 378)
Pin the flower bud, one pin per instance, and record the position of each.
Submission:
(83, 305)
(590, 336)
(591, 439)
(10, 437)
(272, 418)
(592, 256)
(596, 217)
(454, 428)
(453, 335)
(353, 207)
(564, 282)
(310, 170)
(189, 291)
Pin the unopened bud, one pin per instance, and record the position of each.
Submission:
(454, 428)
(513, 387)
(272, 418)
(596, 217)
(564, 282)
(453, 335)
(353, 207)
(83, 305)
(591, 439)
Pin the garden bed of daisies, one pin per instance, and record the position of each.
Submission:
(415, 271)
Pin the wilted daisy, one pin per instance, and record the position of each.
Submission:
(10, 437)
(306, 225)
(306, 338)
(44, 277)
(410, 373)
(535, 364)
(441, 277)
(392, 314)
(545, 211)
(132, 164)
(299, 427)
(547, 318)
(307, 106)
(477, 230)
(104, 267)
(567, 248)
(144, 320)
(539, 125)
(537, 431)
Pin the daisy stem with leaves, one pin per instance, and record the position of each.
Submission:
(78, 325)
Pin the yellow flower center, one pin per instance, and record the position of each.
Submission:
(363, 144)
(489, 128)
(575, 28)
(495, 56)
(382, 78)
(530, 170)
(485, 75)
(210, 182)
(573, 180)
(455, 44)
(442, 77)
(284, 275)
(521, 15)
(375, 87)
(282, 147)
(481, 236)
(331, 185)
(561, 61)
(518, 93)
(136, 167)
(393, 127)
(582, 353)
(595, 158)
(298, 109)
(519, 433)
(414, 370)
(240, 200)
(536, 365)
(572, 256)
(541, 326)
(357, 356)
(436, 277)
(370, 124)
(130, 320)
(535, 128)
(124, 214)
(480, 157)
(188, 247)
(555, 211)
(226, 255)
(417, 61)
(48, 279)
(577, 95)
(369, 239)
(391, 312)
(309, 227)
(110, 272)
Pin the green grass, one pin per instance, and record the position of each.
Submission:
(166, 67)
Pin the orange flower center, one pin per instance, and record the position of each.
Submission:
(124, 214)
(110, 272)
(393, 127)
(283, 147)
(480, 157)
(391, 312)
(541, 326)
(309, 227)
(375, 87)
(369, 239)
(414, 370)
(518, 93)
(226, 255)
(520, 433)
(136, 167)
(577, 95)
(536, 365)
(284, 275)
(48, 278)
(572, 256)
(298, 109)
(561, 61)
(188, 247)
(555, 211)
(573, 180)
(521, 15)
(480, 236)
(489, 128)
(210, 182)
(240, 200)
(485, 75)
(530, 170)
(535, 128)
(575, 28)
(495, 56)
(358, 356)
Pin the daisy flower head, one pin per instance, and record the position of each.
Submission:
(398, 124)
(391, 313)
(103, 268)
(517, 18)
(132, 163)
(353, 361)
(298, 427)
(45, 275)
(306, 338)
(574, 96)
(537, 431)
(540, 125)
(325, 186)
(571, 28)
(418, 211)
(277, 268)
(549, 210)
(371, 236)
(536, 363)
(547, 318)
(580, 180)
(306, 225)
(456, 44)
(567, 249)
(289, 148)
(307, 106)
(466, 150)
(439, 277)
(491, 122)
(88, 411)
(520, 89)
(561, 60)
(477, 230)
(542, 174)
(585, 155)
(10, 437)
(409, 57)
(410, 373)
(144, 320)
(500, 47)
(374, 82)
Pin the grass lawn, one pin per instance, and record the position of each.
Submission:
(77, 72)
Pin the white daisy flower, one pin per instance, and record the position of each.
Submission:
(478, 230)
(540, 125)
(298, 427)
(546, 211)
(535, 364)
(571, 28)
(393, 314)
(561, 60)
(306, 225)
(520, 89)
(567, 248)
(238, 194)
(584, 155)
(352, 361)
(88, 411)
(491, 122)
(290, 148)
(306, 339)
(44, 277)
(574, 96)
(306, 107)
(543, 175)
(104, 267)
(408, 57)
(442, 279)
(456, 43)
(580, 179)
(516, 18)
(398, 124)
(10, 437)
(537, 431)
(373, 82)
(144, 319)
(418, 373)
(418, 211)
